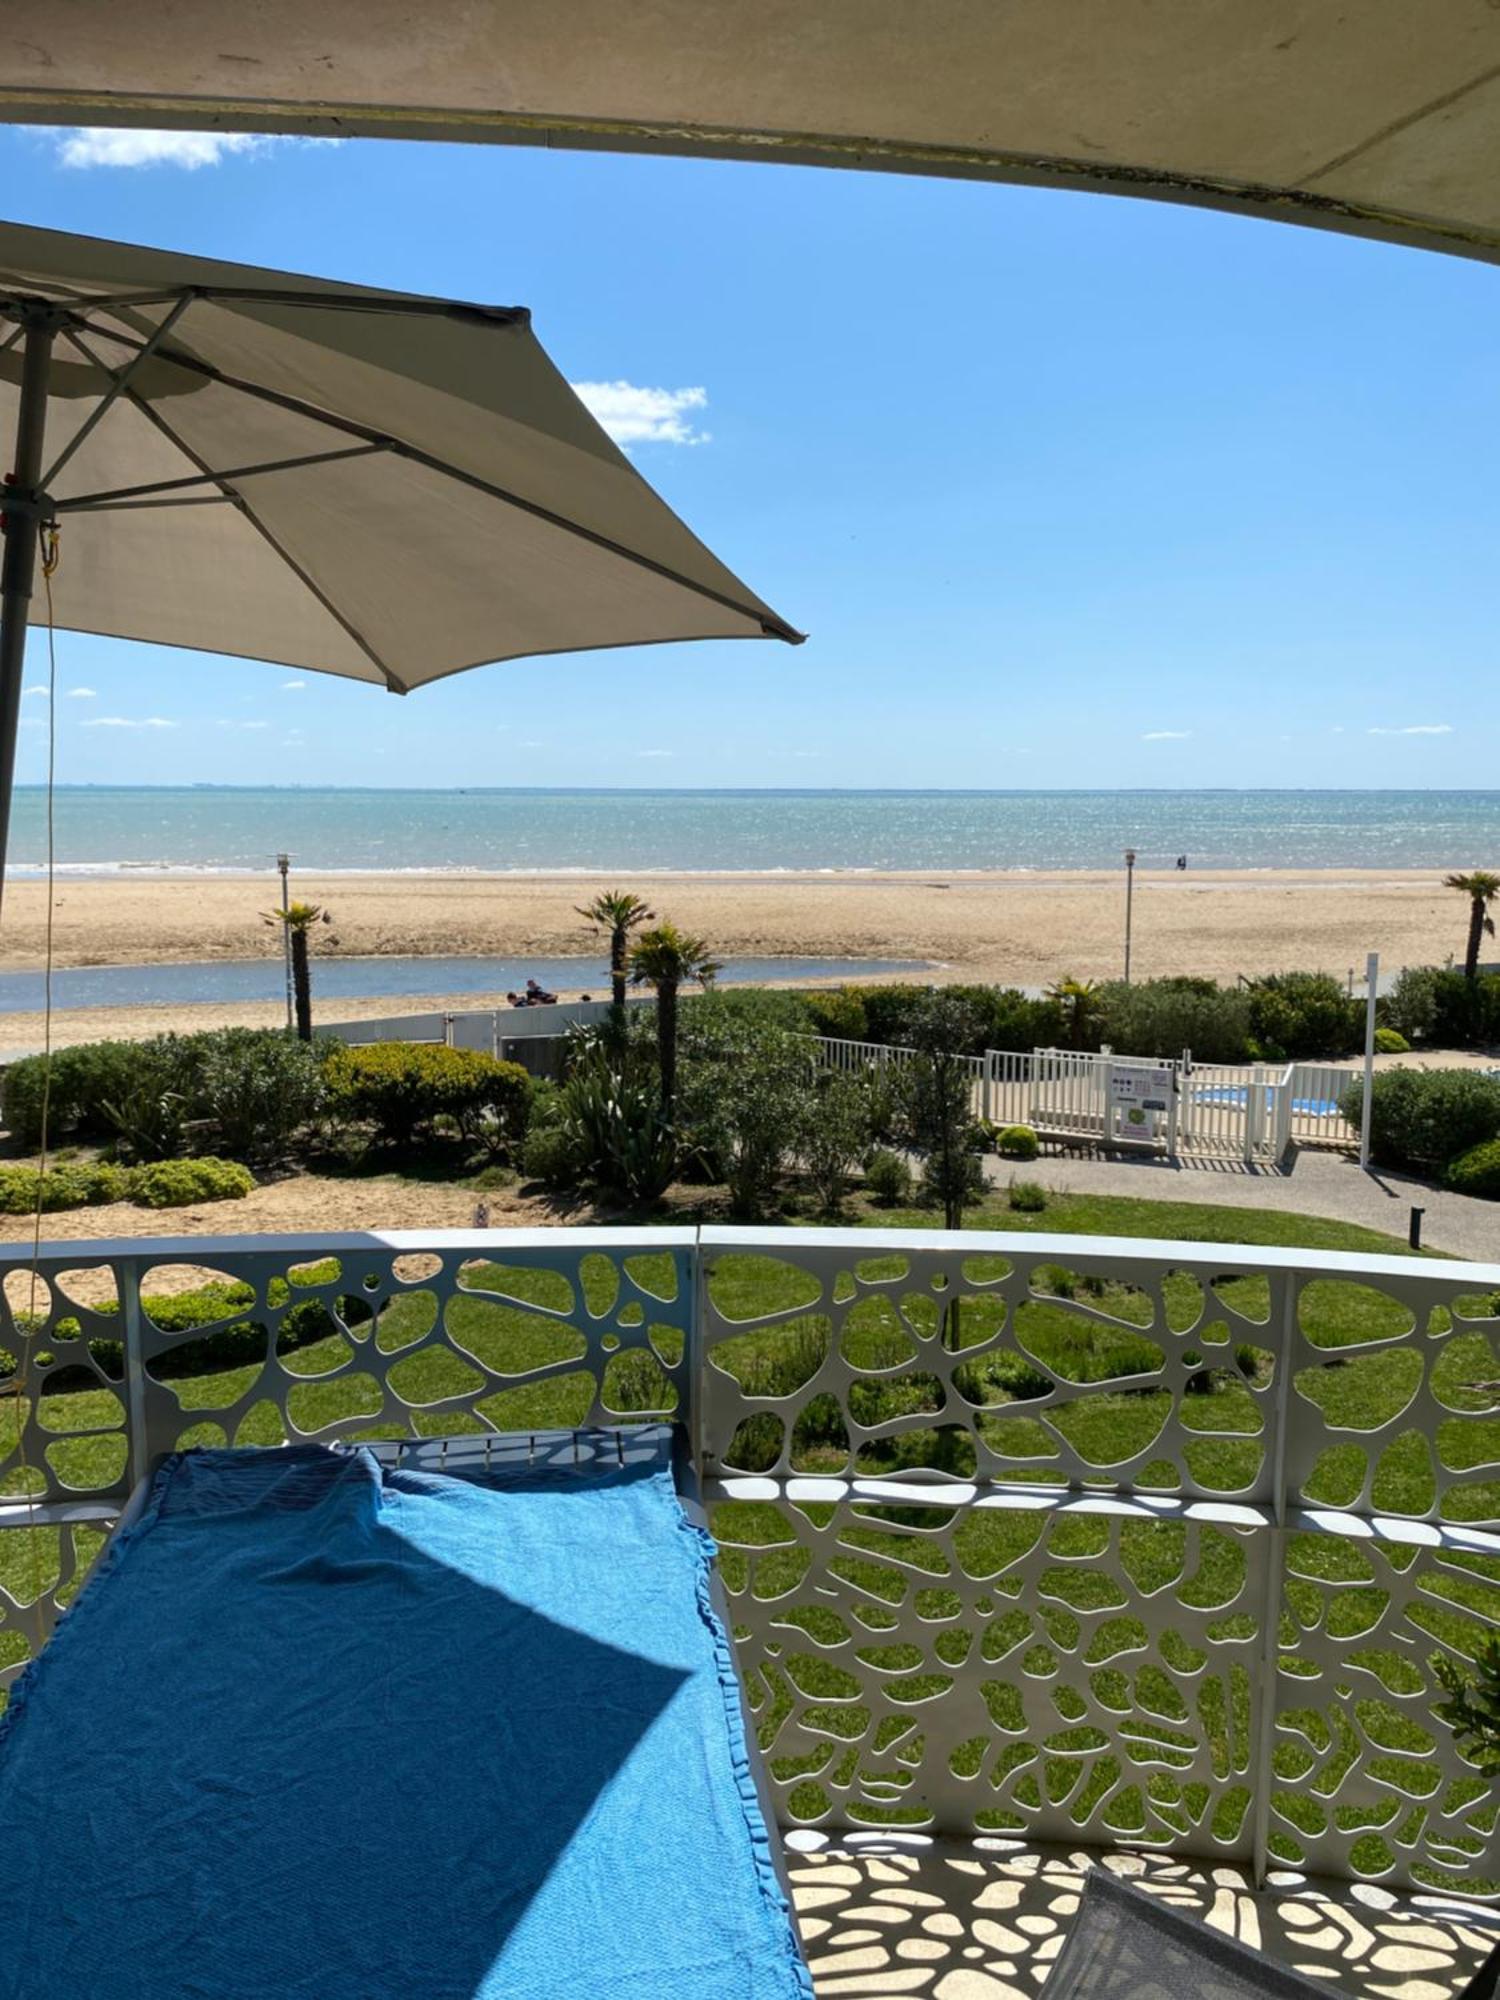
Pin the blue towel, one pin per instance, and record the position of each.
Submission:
(318, 1732)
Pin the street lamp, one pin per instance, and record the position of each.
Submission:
(283, 869)
(1129, 898)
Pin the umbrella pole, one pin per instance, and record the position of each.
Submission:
(18, 504)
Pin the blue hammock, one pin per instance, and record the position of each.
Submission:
(319, 1731)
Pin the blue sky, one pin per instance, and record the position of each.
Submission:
(1066, 490)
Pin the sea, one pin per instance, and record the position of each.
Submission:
(226, 830)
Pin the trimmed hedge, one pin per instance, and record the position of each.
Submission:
(1017, 1142)
(164, 1184)
(403, 1088)
(176, 1183)
(1421, 1118)
(1388, 1042)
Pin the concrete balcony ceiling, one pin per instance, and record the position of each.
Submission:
(1381, 119)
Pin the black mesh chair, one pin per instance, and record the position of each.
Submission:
(1127, 1945)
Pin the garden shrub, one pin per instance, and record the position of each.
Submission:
(1421, 1118)
(1438, 1006)
(1018, 1142)
(836, 1135)
(887, 1178)
(1162, 1017)
(840, 1015)
(1027, 1197)
(1476, 1171)
(83, 1079)
(747, 1097)
(178, 1183)
(163, 1184)
(402, 1088)
(551, 1156)
(1303, 1016)
(257, 1086)
(1389, 1042)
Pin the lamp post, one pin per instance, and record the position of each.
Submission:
(1129, 900)
(1372, 985)
(283, 864)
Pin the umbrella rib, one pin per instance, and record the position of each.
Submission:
(767, 620)
(115, 496)
(118, 383)
(370, 302)
(153, 416)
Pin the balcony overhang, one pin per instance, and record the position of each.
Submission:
(1378, 120)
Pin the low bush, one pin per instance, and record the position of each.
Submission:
(887, 1178)
(179, 1183)
(1017, 1142)
(1027, 1197)
(1476, 1171)
(163, 1184)
(1421, 1118)
(1390, 1042)
(403, 1088)
(23, 1190)
(551, 1156)
(836, 1135)
(83, 1080)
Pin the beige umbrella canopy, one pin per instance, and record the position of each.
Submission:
(373, 484)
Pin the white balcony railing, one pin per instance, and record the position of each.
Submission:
(1054, 1537)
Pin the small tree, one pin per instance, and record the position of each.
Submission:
(619, 913)
(1481, 887)
(839, 1131)
(669, 959)
(936, 1110)
(299, 920)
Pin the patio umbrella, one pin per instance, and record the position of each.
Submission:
(373, 484)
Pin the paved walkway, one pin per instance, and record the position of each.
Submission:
(1311, 1183)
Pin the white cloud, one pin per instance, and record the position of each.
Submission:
(292, 687)
(644, 416)
(1417, 729)
(103, 146)
(127, 722)
(1166, 735)
(37, 687)
(83, 694)
(227, 722)
(531, 743)
(656, 753)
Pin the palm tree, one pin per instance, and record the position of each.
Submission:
(299, 919)
(667, 959)
(619, 913)
(1079, 1001)
(1481, 888)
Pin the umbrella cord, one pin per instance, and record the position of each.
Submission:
(50, 557)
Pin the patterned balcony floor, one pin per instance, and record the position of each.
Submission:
(946, 1921)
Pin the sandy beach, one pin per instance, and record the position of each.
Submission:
(1025, 929)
